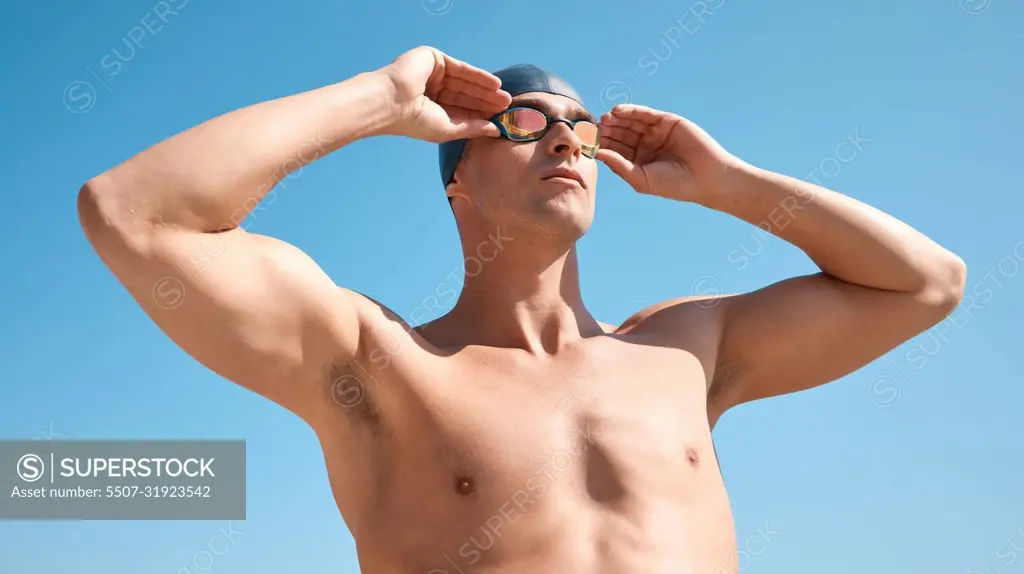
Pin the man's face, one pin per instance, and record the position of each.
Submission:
(510, 183)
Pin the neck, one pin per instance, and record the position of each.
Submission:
(519, 295)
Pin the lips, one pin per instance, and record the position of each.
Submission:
(565, 173)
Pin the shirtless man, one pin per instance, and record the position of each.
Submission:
(516, 434)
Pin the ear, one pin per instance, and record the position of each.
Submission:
(455, 188)
(454, 191)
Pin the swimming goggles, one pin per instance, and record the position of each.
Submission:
(527, 125)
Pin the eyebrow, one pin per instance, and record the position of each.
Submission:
(575, 112)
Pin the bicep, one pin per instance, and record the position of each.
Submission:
(810, 330)
(251, 308)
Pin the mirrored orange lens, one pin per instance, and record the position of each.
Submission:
(525, 122)
(588, 133)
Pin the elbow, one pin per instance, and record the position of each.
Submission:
(955, 274)
(97, 206)
(90, 213)
(102, 214)
(945, 287)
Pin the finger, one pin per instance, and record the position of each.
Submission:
(609, 119)
(466, 128)
(639, 113)
(459, 69)
(448, 97)
(620, 166)
(619, 147)
(624, 135)
(468, 117)
(499, 98)
(461, 113)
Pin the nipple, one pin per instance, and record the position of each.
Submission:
(692, 457)
(464, 484)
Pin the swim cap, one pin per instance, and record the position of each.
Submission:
(516, 80)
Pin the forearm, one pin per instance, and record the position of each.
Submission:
(847, 239)
(211, 176)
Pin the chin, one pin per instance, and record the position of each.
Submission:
(568, 215)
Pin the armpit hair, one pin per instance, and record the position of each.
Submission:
(723, 380)
(352, 392)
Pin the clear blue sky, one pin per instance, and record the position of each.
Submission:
(854, 477)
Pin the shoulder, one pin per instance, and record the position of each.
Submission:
(673, 316)
(383, 334)
(693, 325)
(375, 316)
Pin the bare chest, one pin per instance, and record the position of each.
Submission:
(619, 437)
(598, 428)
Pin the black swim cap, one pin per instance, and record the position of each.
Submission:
(516, 80)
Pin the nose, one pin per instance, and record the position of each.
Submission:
(561, 140)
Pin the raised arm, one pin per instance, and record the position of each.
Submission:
(254, 309)
(881, 282)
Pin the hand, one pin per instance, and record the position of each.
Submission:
(663, 154)
(438, 98)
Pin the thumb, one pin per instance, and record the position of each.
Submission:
(620, 166)
(473, 128)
